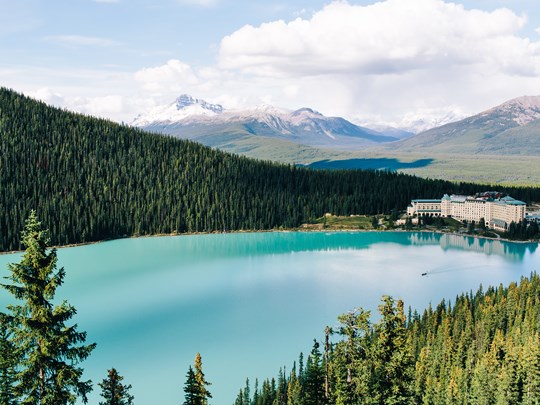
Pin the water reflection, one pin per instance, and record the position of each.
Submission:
(511, 251)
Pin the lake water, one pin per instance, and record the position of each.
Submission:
(249, 303)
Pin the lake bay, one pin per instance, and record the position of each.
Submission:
(250, 302)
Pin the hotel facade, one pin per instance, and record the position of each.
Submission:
(497, 211)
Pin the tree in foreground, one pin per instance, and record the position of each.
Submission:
(49, 351)
(8, 359)
(195, 389)
(113, 391)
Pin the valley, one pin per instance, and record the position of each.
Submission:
(469, 150)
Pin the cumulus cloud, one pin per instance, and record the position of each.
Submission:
(395, 59)
(389, 37)
(48, 96)
(393, 62)
(175, 74)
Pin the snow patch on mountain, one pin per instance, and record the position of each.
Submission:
(187, 115)
(181, 109)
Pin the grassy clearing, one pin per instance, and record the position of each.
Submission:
(353, 222)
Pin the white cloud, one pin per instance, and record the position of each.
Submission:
(389, 37)
(48, 96)
(174, 75)
(80, 40)
(395, 61)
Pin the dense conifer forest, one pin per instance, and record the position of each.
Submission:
(484, 348)
(90, 179)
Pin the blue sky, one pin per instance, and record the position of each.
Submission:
(393, 62)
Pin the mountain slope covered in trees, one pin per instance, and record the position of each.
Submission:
(90, 179)
(482, 349)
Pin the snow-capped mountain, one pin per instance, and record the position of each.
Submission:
(509, 128)
(191, 118)
(182, 108)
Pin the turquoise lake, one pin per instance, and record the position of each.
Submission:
(249, 303)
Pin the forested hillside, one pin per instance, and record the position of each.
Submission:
(91, 179)
(482, 349)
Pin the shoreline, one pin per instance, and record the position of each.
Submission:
(300, 229)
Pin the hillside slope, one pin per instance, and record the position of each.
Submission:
(510, 128)
(90, 179)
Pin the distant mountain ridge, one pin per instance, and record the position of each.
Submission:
(191, 118)
(512, 127)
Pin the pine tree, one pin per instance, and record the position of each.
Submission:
(195, 389)
(191, 390)
(314, 377)
(113, 391)
(351, 355)
(50, 350)
(391, 357)
(247, 394)
(204, 394)
(8, 359)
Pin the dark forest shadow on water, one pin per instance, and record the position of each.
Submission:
(376, 164)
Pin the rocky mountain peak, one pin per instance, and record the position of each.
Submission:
(521, 110)
(185, 100)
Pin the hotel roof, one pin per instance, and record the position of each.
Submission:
(510, 201)
(427, 201)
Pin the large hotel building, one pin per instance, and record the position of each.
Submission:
(498, 211)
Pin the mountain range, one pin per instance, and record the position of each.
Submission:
(268, 132)
(191, 118)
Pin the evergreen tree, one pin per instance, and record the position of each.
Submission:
(482, 224)
(314, 377)
(191, 389)
(391, 357)
(247, 394)
(8, 359)
(195, 389)
(203, 392)
(294, 390)
(113, 391)
(351, 356)
(49, 350)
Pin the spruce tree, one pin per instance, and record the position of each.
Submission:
(204, 394)
(8, 358)
(392, 361)
(49, 350)
(191, 391)
(195, 389)
(113, 391)
(314, 378)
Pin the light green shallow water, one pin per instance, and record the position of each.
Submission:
(251, 302)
